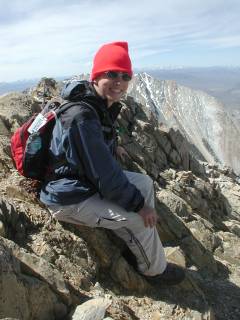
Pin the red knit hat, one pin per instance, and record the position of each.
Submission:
(112, 56)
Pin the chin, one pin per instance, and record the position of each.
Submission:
(114, 99)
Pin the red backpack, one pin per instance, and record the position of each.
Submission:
(30, 143)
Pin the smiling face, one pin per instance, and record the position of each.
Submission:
(110, 89)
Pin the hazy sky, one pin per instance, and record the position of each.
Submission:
(57, 38)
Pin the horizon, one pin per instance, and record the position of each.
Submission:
(136, 71)
(56, 38)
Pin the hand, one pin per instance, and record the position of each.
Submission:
(121, 153)
(149, 216)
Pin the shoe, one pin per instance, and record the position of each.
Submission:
(172, 275)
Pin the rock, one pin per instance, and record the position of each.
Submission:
(163, 140)
(175, 157)
(170, 207)
(230, 248)
(2, 230)
(15, 108)
(175, 255)
(67, 252)
(35, 266)
(203, 232)
(10, 319)
(233, 226)
(92, 309)
(126, 276)
(156, 315)
(46, 89)
(230, 192)
(22, 296)
(3, 128)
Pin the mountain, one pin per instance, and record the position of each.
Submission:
(21, 85)
(200, 117)
(221, 82)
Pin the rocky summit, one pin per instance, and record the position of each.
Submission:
(52, 271)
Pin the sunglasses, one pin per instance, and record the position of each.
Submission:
(115, 74)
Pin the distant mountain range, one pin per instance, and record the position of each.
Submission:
(222, 83)
(20, 85)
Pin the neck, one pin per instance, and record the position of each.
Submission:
(109, 103)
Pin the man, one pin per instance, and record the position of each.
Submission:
(87, 185)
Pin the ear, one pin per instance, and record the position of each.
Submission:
(95, 84)
(95, 81)
(98, 77)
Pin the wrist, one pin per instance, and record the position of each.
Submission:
(140, 206)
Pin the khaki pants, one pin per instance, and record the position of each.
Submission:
(96, 212)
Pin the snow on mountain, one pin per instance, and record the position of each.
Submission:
(199, 116)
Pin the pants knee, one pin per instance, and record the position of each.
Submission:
(148, 182)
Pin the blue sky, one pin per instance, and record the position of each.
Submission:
(56, 38)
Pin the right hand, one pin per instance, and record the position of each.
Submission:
(149, 216)
(121, 153)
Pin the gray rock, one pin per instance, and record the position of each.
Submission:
(126, 276)
(22, 296)
(33, 265)
(2, 229)
(92, 309)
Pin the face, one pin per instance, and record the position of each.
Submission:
(110, 89)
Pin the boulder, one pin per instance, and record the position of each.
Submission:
(24, 296)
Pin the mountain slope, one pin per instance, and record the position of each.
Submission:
(200, 117)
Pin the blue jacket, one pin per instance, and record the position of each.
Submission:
(82, 150)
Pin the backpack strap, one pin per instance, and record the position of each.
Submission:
(62, 108)
(65, 106)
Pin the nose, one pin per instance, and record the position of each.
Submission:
(117, 81)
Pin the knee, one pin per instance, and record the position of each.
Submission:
(148, 182)
(148, 188)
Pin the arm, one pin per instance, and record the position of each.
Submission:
(86, 142)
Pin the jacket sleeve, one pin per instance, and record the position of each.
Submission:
(88, 149)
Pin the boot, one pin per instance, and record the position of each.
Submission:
(172, 275)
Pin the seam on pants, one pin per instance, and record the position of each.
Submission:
(109, 219)
(102, 218)
(140, 247)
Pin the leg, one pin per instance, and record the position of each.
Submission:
(143, 242)
(145, 184)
